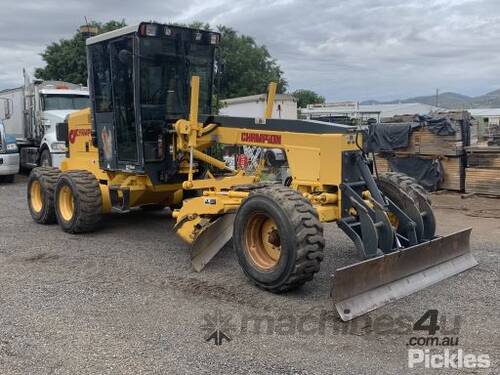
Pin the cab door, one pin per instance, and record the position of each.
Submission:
(125, 124)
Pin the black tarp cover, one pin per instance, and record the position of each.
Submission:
(387, 137)
(428, 172)
(439, 126)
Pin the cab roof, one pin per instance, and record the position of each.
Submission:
(136, 29)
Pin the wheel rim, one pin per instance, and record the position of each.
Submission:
(36, 196)
(393, 219)
(66, 203)
(262, 240)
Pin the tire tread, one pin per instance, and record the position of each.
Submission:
(308, 234)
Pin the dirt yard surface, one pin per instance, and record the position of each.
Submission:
(124, 300)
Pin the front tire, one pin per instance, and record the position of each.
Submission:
(78, 202)
(40, 194)
(278, 238)
(394, 185)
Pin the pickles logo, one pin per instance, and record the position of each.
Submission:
(272, 139)
(73, 133)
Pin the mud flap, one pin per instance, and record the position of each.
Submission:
(370, 284)
(211, 240)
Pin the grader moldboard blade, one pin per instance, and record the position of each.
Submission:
(370, 284)
(211, 241)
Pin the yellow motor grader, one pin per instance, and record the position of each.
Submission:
(146, 141)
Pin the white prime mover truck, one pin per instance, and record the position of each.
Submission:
(31, 112)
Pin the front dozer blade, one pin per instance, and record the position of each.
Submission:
(370, 284)
(211, 240)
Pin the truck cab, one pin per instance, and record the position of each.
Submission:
(56, 101)
(9, 156)
(31, 113)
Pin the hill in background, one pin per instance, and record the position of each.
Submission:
(451, 100)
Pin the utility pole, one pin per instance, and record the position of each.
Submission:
(437, 97)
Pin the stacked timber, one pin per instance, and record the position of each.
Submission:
(483, 170)
(442, 138)
(444, 134)
(425, 142)
(453, 169)
(382, 164)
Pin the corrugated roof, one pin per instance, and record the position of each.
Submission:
(485, 112)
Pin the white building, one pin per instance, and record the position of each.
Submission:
(365, 111)
(489, 123)
(490, 115)
(285, 106)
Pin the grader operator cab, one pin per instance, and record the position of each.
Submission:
(145, 142)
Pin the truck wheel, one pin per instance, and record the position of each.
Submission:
(9, 179)
(393, 185)
(45, 159)
(78, 201)
(278, 238)
(41, 184)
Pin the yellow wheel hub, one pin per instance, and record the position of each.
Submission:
(263, 241)
(393, 220)
(36, 196)
(66, 203)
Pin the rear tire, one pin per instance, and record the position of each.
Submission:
(78, 201)
(41, 185)
(278, 238)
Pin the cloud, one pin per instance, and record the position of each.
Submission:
(355, 49)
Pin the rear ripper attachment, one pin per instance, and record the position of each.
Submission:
(391, 222)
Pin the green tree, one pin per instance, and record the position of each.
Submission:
(248, 67)
(305, 97)
(66, 60)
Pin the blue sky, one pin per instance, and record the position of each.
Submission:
(344, 50)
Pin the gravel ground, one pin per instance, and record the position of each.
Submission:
(125, 300)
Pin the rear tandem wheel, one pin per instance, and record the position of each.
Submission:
(40, 194)
(78, 201)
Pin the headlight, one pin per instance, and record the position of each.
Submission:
(12, 147)
(58, 146)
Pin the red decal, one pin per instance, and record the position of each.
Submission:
(72, 136)
(73, 133)
(272, 139)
